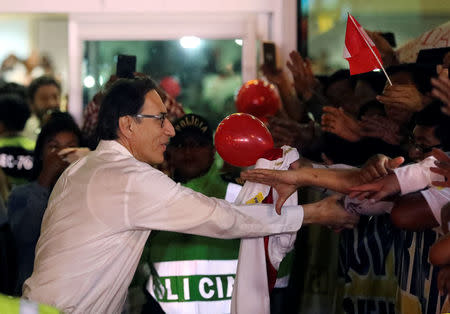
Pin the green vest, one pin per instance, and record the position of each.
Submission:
(195, 274)
(10, 305)
(16, 158)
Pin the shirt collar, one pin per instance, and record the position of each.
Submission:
(113, 145)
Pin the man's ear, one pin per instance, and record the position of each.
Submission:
(126, 126)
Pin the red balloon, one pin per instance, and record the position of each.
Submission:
(258, 98)
(241, 139)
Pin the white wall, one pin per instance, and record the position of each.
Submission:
(257, 19)
(52, 39)
(14, 37)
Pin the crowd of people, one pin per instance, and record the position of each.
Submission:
(148, 218)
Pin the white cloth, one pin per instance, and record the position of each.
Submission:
(436, 198)
(418, 176)
(365, 207)
(251, 290)
(98, 219)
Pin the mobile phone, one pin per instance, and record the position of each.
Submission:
(126, 66)
(270, 55)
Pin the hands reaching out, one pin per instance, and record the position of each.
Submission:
(329, 212)
(304, 79)
(337, 121)
(405, 96)
(442, 168)
(379, 166)
(289, 132)
(379, 177)
(381, 127)
(441, 89)
(283, 181)
(377, 190)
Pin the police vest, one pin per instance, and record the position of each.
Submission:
(10, 305)
(16, 158)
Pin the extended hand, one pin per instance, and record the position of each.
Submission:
(53, 166)
(290, 132)
(283, 181)
(336, 121)
(405, 96)
(443, 168)
(304, 79)
(378, 189)
(382, 128)
(441, 89)
(379, 166)
(329, 212)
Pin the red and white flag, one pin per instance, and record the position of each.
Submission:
(359, 50)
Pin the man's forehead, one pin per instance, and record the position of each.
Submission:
(153, 103)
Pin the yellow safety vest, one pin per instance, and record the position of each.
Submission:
(11, 305)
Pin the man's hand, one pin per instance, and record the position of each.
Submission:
(71, 154)
(405, 96)
(290, 132)
(276, 77)
(377, 190)
(443, 168)
(441, 90)
(304, 79)
(53, 166)
(379, 166)
(329, 212)
(382, 128)
(283, 181)
(336, 121)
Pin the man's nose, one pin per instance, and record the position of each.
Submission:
(168, 128)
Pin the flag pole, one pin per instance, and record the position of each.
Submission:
(370, 47)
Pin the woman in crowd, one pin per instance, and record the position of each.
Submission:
(27, 203)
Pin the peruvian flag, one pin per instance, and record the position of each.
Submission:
(360, 51)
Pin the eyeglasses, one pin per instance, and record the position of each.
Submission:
(162, 117)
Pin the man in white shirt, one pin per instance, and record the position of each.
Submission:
(104, 206)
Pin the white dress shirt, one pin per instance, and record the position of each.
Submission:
(100, 214)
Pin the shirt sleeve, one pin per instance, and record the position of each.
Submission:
(157, 202)
(417, 176)
(436, 199)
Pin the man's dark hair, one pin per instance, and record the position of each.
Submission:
(14, 112)
(38, 83)
(339, 75)
(13, 88)
(376, 80)
(124, 97)
(57, 122)
(431, 115)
